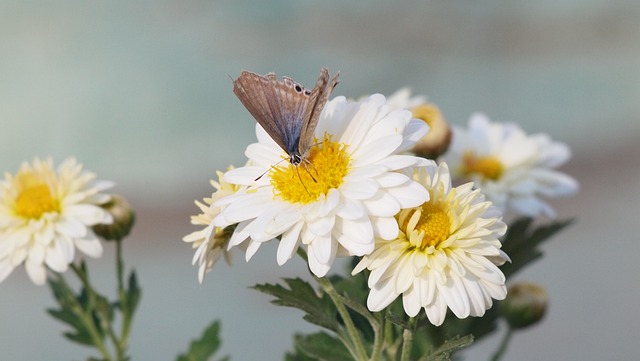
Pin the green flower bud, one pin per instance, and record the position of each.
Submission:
(525, 305)
(123, 219)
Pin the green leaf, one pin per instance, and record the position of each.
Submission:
(522, 241)
(71, 311)
(134, 293)
(318, 308)
(318, 347)
(203, 348)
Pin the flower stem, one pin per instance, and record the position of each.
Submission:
(503, 344)
(85, 316)
(356, 347)
(121, 345)
(407, 340)
(352, 331)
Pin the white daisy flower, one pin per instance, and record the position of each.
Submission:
(513, 169)
(45, 215)
(211, 241)
(446, 253)
(348, 192)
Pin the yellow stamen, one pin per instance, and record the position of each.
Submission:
(425, 226)
(488, 167)
(325, 167)
(35, 200)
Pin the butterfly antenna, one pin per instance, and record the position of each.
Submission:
(267, 171)
(307, 169)
(301, 182)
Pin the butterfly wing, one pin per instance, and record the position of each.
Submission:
(278, 106)
(317, 100)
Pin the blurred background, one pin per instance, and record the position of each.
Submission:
(140, 92)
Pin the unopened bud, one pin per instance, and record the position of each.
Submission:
(437, 140)
(123, 219)
(525, 305)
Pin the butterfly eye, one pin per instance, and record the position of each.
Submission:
(307, 92)
(298, 88)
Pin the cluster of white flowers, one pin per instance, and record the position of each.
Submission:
(363, 194)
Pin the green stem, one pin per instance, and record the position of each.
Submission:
(355, 347)
(352, 331)
(503, 345)
(379, 333)
(407, 340)
(86, 317)
(126, 312)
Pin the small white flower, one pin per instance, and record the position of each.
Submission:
(446, 253)
(513, 170)
(45, 215)
(211, 241)
(348, 192)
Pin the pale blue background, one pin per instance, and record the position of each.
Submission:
(141, 93)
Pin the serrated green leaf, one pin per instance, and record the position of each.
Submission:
(319, 347)
(522, 240)
(203, 348)
(318, 308)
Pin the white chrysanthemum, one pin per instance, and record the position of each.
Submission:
(446, 253)
(211, 241)
(345, 193)
(513, 169)
(45, 215)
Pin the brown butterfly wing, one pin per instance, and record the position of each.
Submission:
(317, 100)
(278, 106)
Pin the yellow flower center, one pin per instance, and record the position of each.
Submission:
(425, 226)
(488, 167)
(35, 200)
(324, 168)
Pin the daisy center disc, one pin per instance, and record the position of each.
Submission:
(324, 168)
(425, 226)
(488, 167)
(35, 200)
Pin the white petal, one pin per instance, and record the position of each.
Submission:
(37, 273)
(92, 247)
(376, 150)
(289, 243)
(87, 214)
(359, 190)
(385, 227)
(5, 270)
(71, 227)
(410, 195)
(318, 268)
(382, 205)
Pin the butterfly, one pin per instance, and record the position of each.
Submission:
(287, 111)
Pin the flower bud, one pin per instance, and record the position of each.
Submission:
(525, 305)
(123, 219)
(437, 140)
